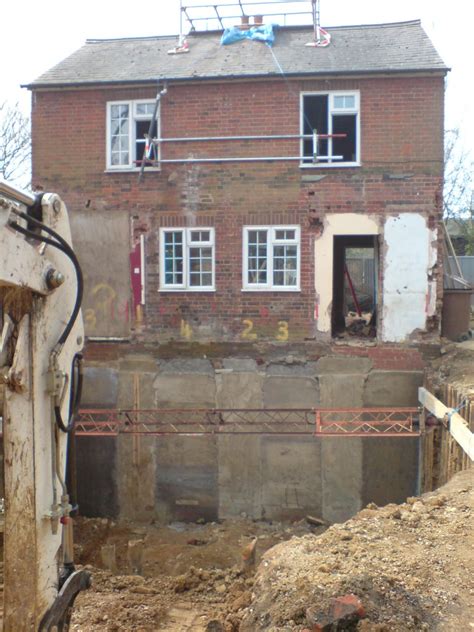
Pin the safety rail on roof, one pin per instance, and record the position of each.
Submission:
(224, 14)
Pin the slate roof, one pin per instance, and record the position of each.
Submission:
(376, 48)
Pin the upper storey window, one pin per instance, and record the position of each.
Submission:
(335, 114)
(128, 123)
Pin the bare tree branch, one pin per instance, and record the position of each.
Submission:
(15, 142)
(458, 177)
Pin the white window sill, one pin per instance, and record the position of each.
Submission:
(271, 289)
(332, 165)
(130, 169)
(180, 290)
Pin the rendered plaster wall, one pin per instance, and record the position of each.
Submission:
(409, 294)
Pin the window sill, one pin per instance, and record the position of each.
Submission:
(332, 165)
(271, 289)
(130, 169)
(181, 290)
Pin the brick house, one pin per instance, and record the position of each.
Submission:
(247, 241)
(233, 273)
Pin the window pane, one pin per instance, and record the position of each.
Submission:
(345, 147)
(278, 278)
(315, 117)
(207, 279)
(200, 263)
(346, 101)
(173, 258)
(285, 265)
(200, 235)
(145, 109)
(257, 256)
(284, 234)
(119, 137)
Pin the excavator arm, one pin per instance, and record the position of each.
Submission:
(41, 370)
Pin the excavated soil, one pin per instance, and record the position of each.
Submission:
(411, 565)
(190, 575)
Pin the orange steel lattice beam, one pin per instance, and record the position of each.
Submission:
(200, 421)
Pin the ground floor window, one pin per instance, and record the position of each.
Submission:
(355, 274)
(271, 258)
(187, 259)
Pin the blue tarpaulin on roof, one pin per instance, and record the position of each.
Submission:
(264, 33)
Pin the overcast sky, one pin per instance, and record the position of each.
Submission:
(37, 34)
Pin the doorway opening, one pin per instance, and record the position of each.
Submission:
(355, 286)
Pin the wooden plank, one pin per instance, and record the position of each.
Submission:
(458, 426)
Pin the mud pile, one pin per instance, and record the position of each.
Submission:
(411, 566)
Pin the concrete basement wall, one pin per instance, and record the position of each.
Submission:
(274, 477)
(263, 477)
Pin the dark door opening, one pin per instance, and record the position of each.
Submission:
(354, 296)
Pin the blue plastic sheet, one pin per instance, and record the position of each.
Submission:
(264, 33)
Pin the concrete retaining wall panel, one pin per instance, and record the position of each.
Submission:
(290, 392)
(240, 476)
(186, 483)
(290, 477)
(341, 463)
(187, 390)
(100, 388)
(239, 390)
(341, 391)
(97, 477)
(390, 469)
(392, 388)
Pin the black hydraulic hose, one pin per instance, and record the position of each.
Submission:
(75, 398)
(64, 247)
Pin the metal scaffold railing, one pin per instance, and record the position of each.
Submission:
(310, 421)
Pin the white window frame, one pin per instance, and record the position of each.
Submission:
(333, 111)
(271, 241)
(187, 244)
(133, 118)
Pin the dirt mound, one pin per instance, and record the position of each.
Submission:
(411, 565)
(192, 576)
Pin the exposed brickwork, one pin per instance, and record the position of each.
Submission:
(386, 357)
(401, 134)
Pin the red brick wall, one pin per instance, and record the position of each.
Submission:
(401, 133)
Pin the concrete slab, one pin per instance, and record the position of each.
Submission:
(138, 362)
(343, 364)
(291, 477)
(290, 392)
(392, 388)
(100, 387)
(186, 390)
(307, 369)
(186, 365)
(341, 465)
(239, 390)
(246, 365)
(341, 391)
